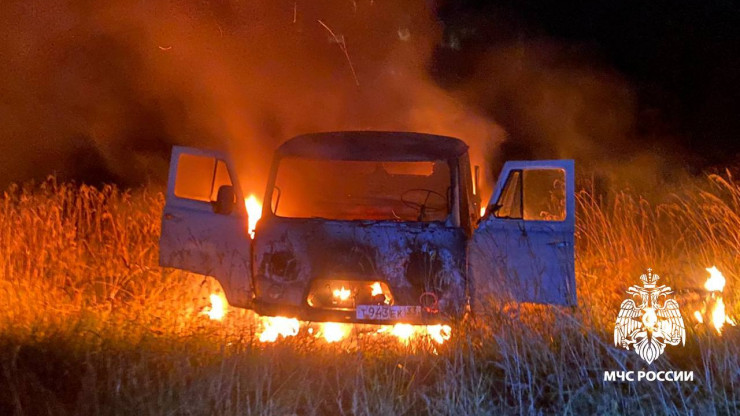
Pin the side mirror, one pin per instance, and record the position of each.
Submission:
(225, 200)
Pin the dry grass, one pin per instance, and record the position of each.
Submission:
(91, 325)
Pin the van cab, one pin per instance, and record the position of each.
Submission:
(373, 227)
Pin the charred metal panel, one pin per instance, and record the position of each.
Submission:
(373, 145)
(526, 260)
(209, 244)
(196, 239)
(412, 258)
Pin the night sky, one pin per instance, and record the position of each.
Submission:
(681, 57)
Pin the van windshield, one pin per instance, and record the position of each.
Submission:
(362, 190)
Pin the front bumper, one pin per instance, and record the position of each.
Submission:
(307, 313)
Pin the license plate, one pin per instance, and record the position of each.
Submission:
(387, 312)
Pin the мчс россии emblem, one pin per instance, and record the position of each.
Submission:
(648, 326)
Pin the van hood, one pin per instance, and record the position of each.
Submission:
(411, 258)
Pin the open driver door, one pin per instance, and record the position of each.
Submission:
(523, 248)
(204, 223)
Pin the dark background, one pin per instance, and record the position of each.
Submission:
(681, 57)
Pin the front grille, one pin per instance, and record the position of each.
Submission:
(344, 294)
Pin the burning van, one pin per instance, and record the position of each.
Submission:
(373, 227)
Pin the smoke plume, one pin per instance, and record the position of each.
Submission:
(101, 90)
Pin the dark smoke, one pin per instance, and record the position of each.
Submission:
(553, 103)
(99, 91)
(639, 92)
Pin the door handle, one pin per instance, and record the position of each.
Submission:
(168, 216)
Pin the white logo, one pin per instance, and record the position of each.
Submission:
(649, 326)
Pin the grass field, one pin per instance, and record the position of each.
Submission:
(91, 325)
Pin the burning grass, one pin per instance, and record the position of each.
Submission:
(91, 325)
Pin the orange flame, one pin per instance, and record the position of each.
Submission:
(334, 332)
(282, 327)
(719, 318)
(376, 289)
(278, 326)
(403, 332)
(254, 211)
(217, 310)
(439, 333)
(406, 332)
(699, 317)
(716, 281)
(715, 285)
(342, 294)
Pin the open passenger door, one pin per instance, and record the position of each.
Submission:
(204, 224)
(524, 246)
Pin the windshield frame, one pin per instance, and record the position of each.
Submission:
(451, 220)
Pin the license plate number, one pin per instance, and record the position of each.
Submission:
(387, 312)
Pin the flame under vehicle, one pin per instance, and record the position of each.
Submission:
(373, 227)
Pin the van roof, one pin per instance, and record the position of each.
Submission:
(373, 145)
